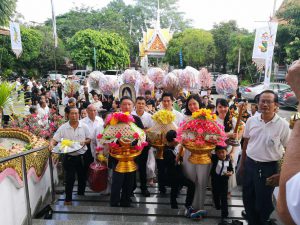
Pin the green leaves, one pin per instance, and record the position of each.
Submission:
(7, 8)
(111, 50)
(197, 48)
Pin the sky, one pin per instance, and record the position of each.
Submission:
(249, 14)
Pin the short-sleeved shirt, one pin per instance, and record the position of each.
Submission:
(266, 140)
(179, 117)
(146, 119)
(81, 133)
(293, 197)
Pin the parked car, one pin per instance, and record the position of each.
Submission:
(253, 91)
(287, 98)
(113, 72)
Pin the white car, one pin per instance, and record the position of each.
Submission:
(253, 91)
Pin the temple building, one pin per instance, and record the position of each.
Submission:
(155, 41)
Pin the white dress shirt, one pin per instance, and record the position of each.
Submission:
(266, 140)
(179, 117)
(293, 197)
(146, 119)
(80, 134)
(42, 112)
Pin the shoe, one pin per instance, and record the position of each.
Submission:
(244, 214)
(80, 194)
(114, 205)
(189, 210)
(68, 203)
(163, 191)
(125, 204)
(200, 213)
(146, 193)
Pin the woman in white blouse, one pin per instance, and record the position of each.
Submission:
(97, 103)
(229, 122)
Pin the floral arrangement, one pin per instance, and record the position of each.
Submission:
(143, 84)
(71, 87)
(41, 127)
(94, 78)
(226, 84)
(202, 129)
(130, 76)
(189, 79)
(164, 117)
(156, 75)
(171, 83)
(109, 84)
(205, 78)
(120, 128)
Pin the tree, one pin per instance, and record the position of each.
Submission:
(197, 48)
(222, 33)
(7, 8)
(111, 49)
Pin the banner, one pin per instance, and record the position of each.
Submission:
(54, 26)
(263, 49)
(15, 38)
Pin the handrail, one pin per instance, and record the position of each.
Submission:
(24, 170)
(11, 157)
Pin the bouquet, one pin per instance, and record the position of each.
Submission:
(94, 79)
(171, 83)
(120, 128)
(130, 76)
(143, 84)
(201, 130)
(189, 79)
(226, 84)
(109, 84)
(71, 87)
(205, 78)
(156, 75)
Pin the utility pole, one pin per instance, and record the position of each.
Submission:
(239, 61)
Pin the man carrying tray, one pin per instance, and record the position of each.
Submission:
(74, 162)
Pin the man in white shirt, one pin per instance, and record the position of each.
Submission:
(140, 105)
(43, 111)
(94, 123)
(288, 205)
(73, 163)
(264, 139)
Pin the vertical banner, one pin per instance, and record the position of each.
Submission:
(54, 25)
(15, 38)
(263, 49)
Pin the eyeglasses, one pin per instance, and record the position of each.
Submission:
(268, 102)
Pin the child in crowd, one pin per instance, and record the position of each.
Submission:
(174, 174)
(220, 172)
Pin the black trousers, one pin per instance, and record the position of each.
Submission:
(161, 175)
(142, 167)
(176, 185)
(257, 196)
(122, 182)
(74, 165)
(219, 191)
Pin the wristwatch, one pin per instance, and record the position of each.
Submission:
(293, 119)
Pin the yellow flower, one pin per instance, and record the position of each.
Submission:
(66, 143)
(164, 117)
(204, 113)
(113, 121)
(127, 113)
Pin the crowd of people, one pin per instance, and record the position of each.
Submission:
(262, 133)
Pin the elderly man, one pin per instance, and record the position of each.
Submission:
(289, 196)
(264, 139)
(123, 181)
(73, 163)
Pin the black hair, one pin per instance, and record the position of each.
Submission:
(233, 106)
(196, 98)
(32, 109)
(167, 94)
(227, 122)
(171, 135)
(269, 92)
(219, 147)
(73, 108)
(140, 98)
(124, 98)
(256, 106)
(147, 92)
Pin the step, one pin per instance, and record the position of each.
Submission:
(121, 222)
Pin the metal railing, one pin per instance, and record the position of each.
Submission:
(25, 180)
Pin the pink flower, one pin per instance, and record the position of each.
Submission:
(136, 135)
(99, 136)
(118, 135)
(144, 144)
(138, 147)
(113, 145)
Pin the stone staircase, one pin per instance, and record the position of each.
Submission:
(93, 209)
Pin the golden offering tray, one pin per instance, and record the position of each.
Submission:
(200, 154)
(125, 156)
(36, 160)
